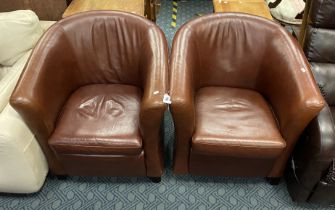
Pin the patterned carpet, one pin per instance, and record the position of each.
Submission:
(174, 192)
(186, 11)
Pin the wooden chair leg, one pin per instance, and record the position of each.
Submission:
(155, 179)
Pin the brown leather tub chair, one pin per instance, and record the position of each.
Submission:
(242, 92)
(311, 173)
(92, 94)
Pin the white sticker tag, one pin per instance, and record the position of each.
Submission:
(167, 99)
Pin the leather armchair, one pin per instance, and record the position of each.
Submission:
(242, 92)
(313, 156)
(92, 94)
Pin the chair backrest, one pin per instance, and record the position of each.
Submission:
(110, 47)
(230, 51)
(317, 37)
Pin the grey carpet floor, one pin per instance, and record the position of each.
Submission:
(174, 192)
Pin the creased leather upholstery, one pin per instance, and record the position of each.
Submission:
(324, 74)
(317, 44)
(100, 47)
(246, 52)
(317, 38)
(221, 111)
(97, 111)
(321, 14)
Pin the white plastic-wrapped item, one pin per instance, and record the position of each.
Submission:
(23, 166)
(287, 11)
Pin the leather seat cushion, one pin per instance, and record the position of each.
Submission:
(100, 119)
(235, 122)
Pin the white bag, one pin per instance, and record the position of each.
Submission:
(287, 11)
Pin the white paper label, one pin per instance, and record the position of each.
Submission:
(167, 99)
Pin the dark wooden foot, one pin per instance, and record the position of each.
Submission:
(273, 180)
(61, 177)
(155, 179)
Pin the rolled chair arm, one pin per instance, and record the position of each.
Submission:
(287, 82)
(183, 65)
(44, 86)
(155, 82)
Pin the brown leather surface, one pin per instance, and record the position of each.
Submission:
(45, 9)
(324, 74)
(324, 194)
(316, 37)
(317, 44)
(241, 51)
(235, 122)
(321, 14)
(315, 151)
(312, 156)
(212, 165)
(104, 165)
(100, 119)
(100, 47)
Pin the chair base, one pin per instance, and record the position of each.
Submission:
(273, 180)
(59, 177)
(103, 165)
(155, 179)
